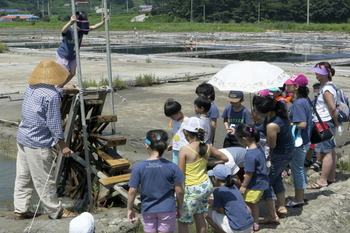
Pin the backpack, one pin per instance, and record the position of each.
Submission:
(342, 104)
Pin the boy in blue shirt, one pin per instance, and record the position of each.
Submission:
(234, 115)
(172, 109)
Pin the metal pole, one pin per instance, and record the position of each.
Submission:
(109, 65)
(127, 6)
(82, 108)
(259, 12)
(191, 20)
(204, 13)
(308, 13)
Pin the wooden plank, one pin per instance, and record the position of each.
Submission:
(116, 164)
(115, 179)
(107, 118)
(94, 102)
(112, 140)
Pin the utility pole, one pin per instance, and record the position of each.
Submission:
(204, 13)
(127, 6)
(308, 13)
(258, 12)
(191, 21)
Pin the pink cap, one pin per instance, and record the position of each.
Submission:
(264, 92)
(320, 70)
(297, 79)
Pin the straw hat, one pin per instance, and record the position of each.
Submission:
(48, 72)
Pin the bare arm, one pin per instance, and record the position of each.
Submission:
(131, 198)
(70, 23)
(220, 157)
(247, 177)
(213, 124)
(66, 152)
(301, 125)
(179, 190)
(271, 134)
(98, 25)
(182, 160)
(328, 98)
(220, 210)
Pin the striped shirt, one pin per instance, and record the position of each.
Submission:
(41, 125)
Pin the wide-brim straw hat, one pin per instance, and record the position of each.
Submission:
(48, 72)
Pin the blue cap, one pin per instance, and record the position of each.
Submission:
(235, 96)
(220, 171)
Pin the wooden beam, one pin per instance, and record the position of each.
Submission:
(115, 179)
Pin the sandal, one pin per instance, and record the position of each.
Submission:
(270, 221)
(316, 186)
(256, 227)
(330, 182)
(283, 213)
(64, 213)
(294, 204)
(316, 166)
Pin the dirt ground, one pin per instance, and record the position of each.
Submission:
(139, 109)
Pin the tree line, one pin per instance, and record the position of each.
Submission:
(224, 11)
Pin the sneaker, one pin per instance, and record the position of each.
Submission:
(26, 215)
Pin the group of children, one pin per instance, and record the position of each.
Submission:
(193, 155)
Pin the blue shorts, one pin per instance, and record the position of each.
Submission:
(329, 145)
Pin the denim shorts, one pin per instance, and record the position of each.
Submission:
(279, 163)
(297, 166)
(329, 145)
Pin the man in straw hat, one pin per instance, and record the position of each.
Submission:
(39, 131)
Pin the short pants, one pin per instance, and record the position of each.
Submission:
(164, 222)
(66, 63)
(196, 199)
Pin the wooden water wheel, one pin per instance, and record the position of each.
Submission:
(109, 171)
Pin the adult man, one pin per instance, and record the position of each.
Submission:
(39, 131)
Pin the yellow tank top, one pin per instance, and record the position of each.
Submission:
(195, 172)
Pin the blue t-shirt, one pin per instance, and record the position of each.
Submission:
(67, 47)
(284, 140)
(236, 210)
(300, 111)
(213, 111)
(235, 118)
(157, 179)
(255, 161)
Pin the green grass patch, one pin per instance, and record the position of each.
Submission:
(344, 166)
(145, 80)
(3, 47)
(164, 23)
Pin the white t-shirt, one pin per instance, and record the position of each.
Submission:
(321, 106)
(236, 157)
(179, 139)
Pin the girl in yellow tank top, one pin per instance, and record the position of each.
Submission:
(193, 160)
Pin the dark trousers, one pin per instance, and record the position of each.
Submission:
(231, 143)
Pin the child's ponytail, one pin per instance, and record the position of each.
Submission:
(202, 144)
(229, 182)
(157, 140)
(247, 131)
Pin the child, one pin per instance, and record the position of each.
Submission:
(193, 160)
(207, 90)
(229, 213)
(65, 55)
(158, 178)
(172, 109)
(201, 107)
(234, 115)
(256, 175)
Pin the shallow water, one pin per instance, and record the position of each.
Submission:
(7, 181)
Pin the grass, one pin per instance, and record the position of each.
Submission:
(3, 47)
(344, 166)
(145, 80)
(121, 22)
(148, 60)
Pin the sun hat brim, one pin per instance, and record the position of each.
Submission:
(48, 72)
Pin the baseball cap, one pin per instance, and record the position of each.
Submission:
(320, 70)
(193, 124)
(220, 171)
(235, 96)
(264, 92)
(275, 89)
(297, 79)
